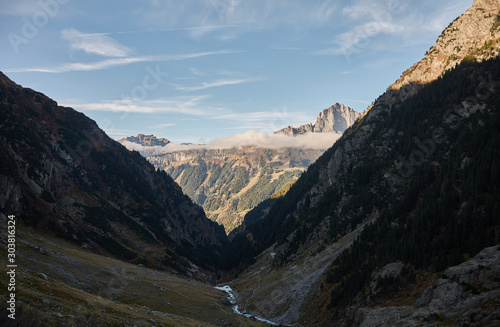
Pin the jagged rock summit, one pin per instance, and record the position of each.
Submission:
(145, 140)
(335, 119)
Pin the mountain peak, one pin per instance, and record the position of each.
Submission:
(145, 140)
(491, 4)
(335, 119)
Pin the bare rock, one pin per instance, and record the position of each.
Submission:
(441, 295)
(482, 270)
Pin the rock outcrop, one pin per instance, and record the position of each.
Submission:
(335, 119)
(466, 295)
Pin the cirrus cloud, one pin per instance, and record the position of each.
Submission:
(98, 44)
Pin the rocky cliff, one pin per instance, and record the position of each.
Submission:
(335, 119)
(61, 174)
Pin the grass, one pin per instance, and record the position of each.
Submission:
(62, 285)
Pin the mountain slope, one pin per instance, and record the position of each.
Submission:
(62, 175)
(60, 284)
(414, 181)
(230, 182)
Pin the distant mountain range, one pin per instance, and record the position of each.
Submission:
(145, 140)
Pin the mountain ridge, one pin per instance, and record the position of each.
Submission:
(63, 175)
(145, 140)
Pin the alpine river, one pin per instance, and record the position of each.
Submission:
(236, 307)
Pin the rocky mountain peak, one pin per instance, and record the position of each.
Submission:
(146, 140)
(475, 35)
(335, 119)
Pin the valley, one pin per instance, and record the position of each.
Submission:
(386, 218)
(229, 183)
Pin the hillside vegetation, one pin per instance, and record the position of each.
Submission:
(229, 183)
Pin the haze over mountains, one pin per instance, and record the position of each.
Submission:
(395, 224)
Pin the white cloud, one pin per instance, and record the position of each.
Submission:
(118, 132)
(98, 44)
(320, 141)
(207, 85)
(163, 125)
(242, 15)
(108, 63)
(323, 13)
(139, 147)
(248, 138)
(196, 71)
(181, 104)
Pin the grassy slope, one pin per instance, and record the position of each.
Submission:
(60, 284)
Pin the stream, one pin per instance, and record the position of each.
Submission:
(236, 307)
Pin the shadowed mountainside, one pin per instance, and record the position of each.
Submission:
(62, 175)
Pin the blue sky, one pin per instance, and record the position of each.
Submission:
(197, 70)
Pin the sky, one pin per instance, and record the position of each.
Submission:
(199, 70)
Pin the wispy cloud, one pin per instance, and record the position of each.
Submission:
(196, 71)
(94, 43)
(194, 108)
(118, 132)
(207, 85)
(182, 105)
(242, 16)
(163, 125)
(108, 63)
(365, 22)
(323, 12)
